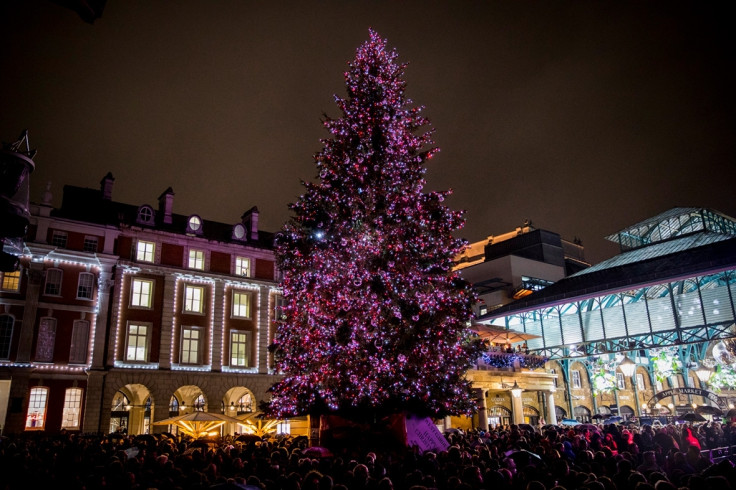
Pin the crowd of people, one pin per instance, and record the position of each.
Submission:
(516, 457)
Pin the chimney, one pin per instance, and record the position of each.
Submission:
(106, 186)
(250, 221)
(165, 204)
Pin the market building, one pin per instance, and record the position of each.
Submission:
(647, 333)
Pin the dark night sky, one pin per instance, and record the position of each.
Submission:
(584, 117)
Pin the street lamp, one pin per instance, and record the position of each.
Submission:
(516, 390)
(627, 366)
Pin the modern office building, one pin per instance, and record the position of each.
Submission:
(511, 383)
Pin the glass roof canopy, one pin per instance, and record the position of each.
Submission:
(673, 223)
(674, 284)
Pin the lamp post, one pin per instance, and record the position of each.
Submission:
(628, 369)
(516, 405)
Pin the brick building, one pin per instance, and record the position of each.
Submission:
(123, 315)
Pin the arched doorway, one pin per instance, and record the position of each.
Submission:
(531, 415)
(582, 414)
(626, 412)
(498, 415)
(560, 412)
(132, 410)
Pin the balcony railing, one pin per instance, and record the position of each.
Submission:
(509, 361)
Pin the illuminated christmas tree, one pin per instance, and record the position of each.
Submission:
(375, 320)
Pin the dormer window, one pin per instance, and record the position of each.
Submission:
(145, 215)
(239, 232)
(194, 224)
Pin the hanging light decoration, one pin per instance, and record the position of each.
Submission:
(703, 373)
(627, 366)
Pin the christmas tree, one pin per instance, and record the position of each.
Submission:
(375, 320)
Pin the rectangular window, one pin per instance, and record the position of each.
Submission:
(690, 382)
(36, 415)
(11, 281)
(80, 342)
(674, 382)
(53, 282)
(241, 304)
(90, 244)
(239, 348)
(141, 294)
(196, 259)
(59, 239)
(658, 384)
(72, 408)
(46, 340)
(137, 344)
(554, 380)
(620, 381)
(145, 251)
(85, 286)
(6, 335)
(576, 379)
(640, 382)
(242, 266)
(279, 304)
(193, 299)
(190, 344)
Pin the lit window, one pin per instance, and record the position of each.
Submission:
(620, 381)
(194, 224)
(675, 382)
(145, 251)
(242, 266)
(640, 382)
(36, 415)
(72, 408)
(79, 345)
(59, 239)
(11, 281)
(193, 299)
(239, 232)
(6, 335)
(137, 345)
(239, 348)
(85, 285)
(141, 293)
(90, 244)
(576, 379)
(190, 343)
(283, 427)
(53, 282)
(46, 340)
(241, 304)
(196, 259)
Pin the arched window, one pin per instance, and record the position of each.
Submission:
(37, 402)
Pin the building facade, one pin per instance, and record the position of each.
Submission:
(648, 333)
(512, 383)
(124, 315)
